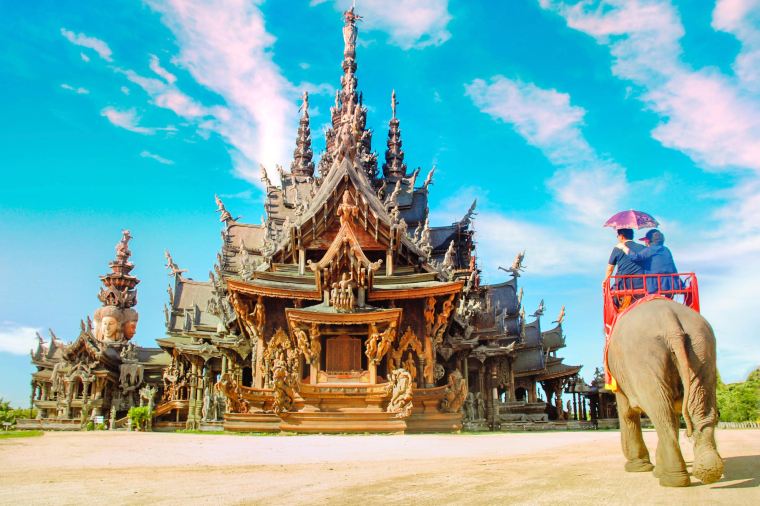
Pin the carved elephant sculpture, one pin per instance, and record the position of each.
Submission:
(130, 375)
(662, 355)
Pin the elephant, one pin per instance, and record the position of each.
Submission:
(662, 356)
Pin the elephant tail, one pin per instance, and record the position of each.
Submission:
(676, 340)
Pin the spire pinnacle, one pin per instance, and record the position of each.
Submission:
(394, 167)
(118, 285)
(302, 156)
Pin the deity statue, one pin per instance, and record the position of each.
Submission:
(129, 327)
(108, 323)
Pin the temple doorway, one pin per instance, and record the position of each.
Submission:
(247, 377)
(521, 394)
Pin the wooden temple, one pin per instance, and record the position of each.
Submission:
(344, 311)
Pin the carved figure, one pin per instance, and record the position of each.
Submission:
(386, 340)
(469, 407)
(656, 351)
(173, 267)
(370, 349)
(129, 327)
(108, 325)
(283, 392)
(130, 376)
(480, 406)
(342, 293)
(400, 386)
(456, 392)
(228, 387)
(409, 366)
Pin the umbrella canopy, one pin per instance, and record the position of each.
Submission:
(632, 219)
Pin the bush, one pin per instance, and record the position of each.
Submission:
(10, 415)
(740, 402)
(138, 417)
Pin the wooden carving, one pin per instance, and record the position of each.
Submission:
(456, 393)
(230, 388)
(283, 390)
(309, 344)
(281, 348)
(400, 388)
(379, 343)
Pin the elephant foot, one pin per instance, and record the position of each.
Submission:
(708, 467)
(676, 479)
(638, 466)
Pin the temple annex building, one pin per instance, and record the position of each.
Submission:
(344, 311)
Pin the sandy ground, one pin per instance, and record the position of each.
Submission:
(515, 468)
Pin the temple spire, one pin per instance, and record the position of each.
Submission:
(302, 157)
(394, 167)
(348, 135)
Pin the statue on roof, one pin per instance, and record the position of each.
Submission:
(449, 259)
(350, 31)
(394, 103)
(560, 317)
(265, 176)
(224, 215)
(173, 267)
(517, 265)
(122, 248)
(467, 219)
(429, 178)
(540, 309)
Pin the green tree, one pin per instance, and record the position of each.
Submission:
(740, 402)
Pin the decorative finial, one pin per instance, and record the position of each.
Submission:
(394, 102)
(264, 176)
(561, 316)
(540, 309)
(429, 178)
(224, 215)
(173, 267)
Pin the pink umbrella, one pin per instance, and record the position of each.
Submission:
(632, 219)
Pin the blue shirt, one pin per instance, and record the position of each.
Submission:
(626, 266)
(657, 259)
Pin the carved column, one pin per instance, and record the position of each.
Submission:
(193, 380)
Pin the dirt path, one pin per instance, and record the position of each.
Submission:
(518, 468)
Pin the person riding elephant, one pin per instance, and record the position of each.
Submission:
(662, 357)
(656, 258)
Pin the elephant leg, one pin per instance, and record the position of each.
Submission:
(634, 449)
(708, 464)
(670, 466)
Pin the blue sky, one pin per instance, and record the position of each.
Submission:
(553, 114)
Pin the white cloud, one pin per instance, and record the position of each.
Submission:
(124, 90)
(17, 339)
(77, 90)
(742, 18)
(224, 45)
(409, 23)
(551, 247)
(589, 186)
(712, 118)
(83, 40)
(126, 119)
(158, 158)
(84, 57)
(155, 66)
